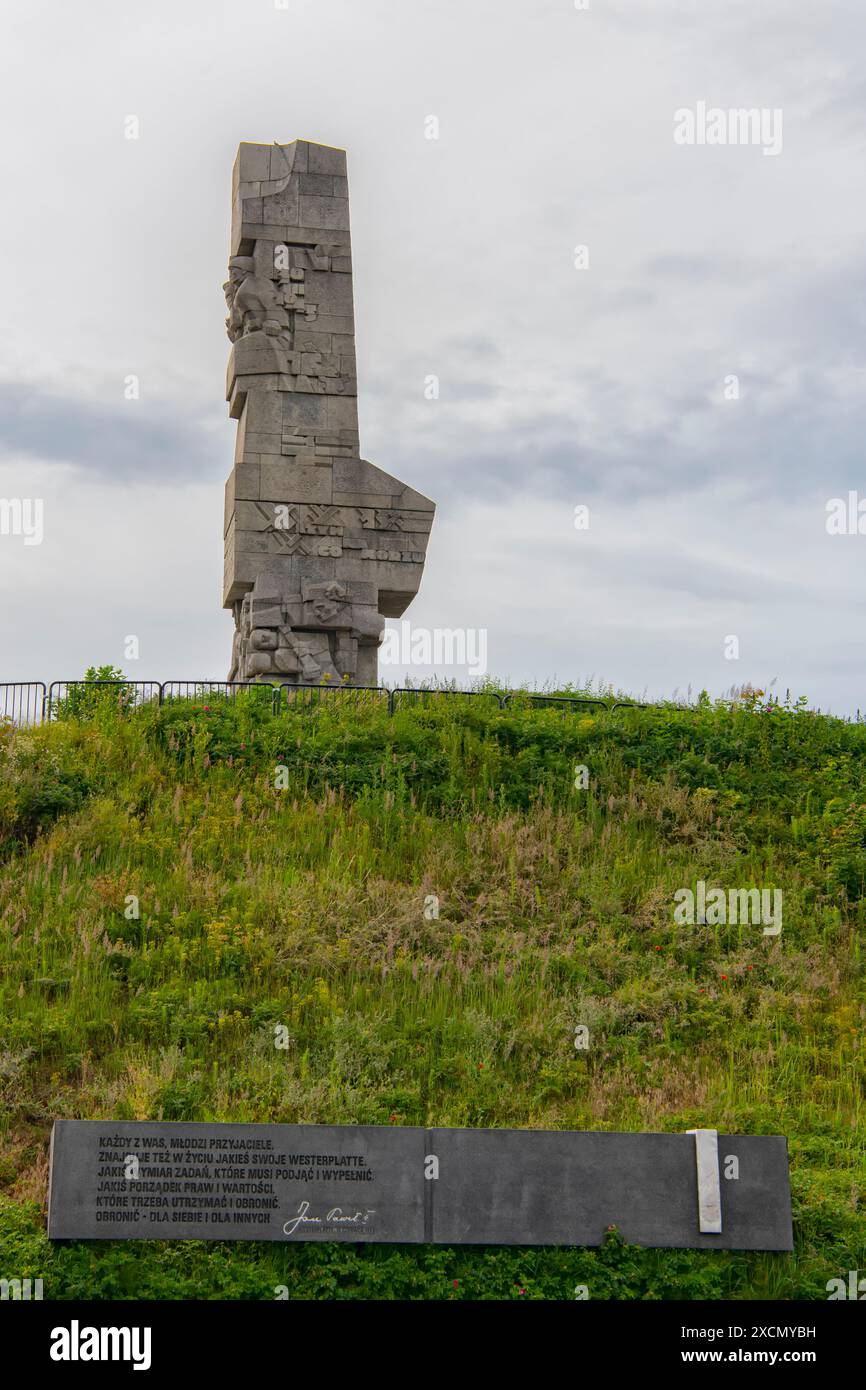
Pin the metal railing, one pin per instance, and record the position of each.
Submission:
(507, 699)
(83, 696)
(22, 702)
(26, 703)
(558, 701)
(208, 690)
(422, 693)
(311, 696)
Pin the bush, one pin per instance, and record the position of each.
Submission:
(36, 786)
(103, 691)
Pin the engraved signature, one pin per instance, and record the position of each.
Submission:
(334, 1217)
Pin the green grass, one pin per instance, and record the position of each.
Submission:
(304, 906)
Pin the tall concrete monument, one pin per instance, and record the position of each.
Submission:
(320, 545)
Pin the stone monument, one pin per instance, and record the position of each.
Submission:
(320, 545)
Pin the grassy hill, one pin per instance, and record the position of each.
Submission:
(297, 897)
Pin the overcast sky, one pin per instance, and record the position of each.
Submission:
(560, 386)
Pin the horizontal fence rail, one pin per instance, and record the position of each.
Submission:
(558, 701)
(25, 703)
(394, 695)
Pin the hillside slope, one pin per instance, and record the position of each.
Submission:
(284, 869)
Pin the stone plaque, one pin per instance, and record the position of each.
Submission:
(552, 1187)
(235, 1182)
(154, 1180)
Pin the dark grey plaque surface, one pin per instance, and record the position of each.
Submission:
(529, 1187)
(380, 1183)
(235, 1182)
